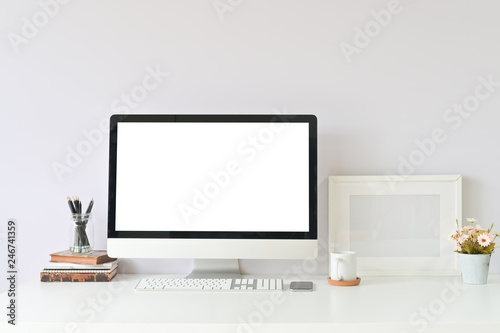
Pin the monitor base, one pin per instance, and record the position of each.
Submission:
(215, 268)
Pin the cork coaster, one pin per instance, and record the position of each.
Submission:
(344, 283)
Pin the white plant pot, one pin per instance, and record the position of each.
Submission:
(475, 267)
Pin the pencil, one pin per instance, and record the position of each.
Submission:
(89, 208)
(71, 206)
(77, 205)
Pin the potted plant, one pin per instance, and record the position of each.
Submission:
(474, 245)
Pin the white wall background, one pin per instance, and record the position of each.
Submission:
(71, 74)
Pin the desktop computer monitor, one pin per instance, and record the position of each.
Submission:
(215, 188)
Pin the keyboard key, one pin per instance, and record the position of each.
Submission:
(261, 285)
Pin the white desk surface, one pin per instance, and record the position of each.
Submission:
(378, 304)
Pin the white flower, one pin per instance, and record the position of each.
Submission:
(458, 247)
(471, 220)
(463, 238)
(484, 240)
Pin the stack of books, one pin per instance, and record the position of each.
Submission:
(66, 266)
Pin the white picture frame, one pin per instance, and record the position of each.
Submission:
(398, 225)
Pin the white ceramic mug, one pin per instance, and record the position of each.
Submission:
(343, 266)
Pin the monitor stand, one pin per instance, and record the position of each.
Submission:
(215, 268)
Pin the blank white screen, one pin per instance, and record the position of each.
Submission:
(212, 177)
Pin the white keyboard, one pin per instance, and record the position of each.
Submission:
(159, 284)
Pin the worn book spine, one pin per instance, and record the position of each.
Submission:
(55, 275)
